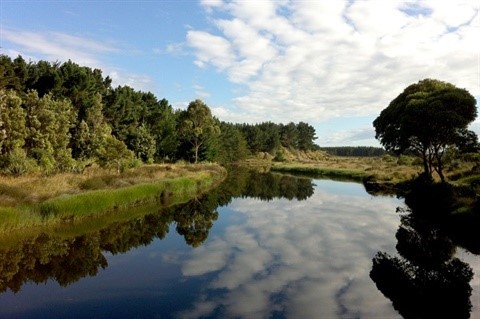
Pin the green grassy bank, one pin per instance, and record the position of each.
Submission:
(68, 208)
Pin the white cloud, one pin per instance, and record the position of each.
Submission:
(200, 92)
(209, 5)
(317, 60)
(174, 49)
(211, 49)
(59, 46)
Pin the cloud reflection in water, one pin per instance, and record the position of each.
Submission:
(303, 259)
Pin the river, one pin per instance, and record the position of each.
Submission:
(260, 246)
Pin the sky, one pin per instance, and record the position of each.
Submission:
(335, 64)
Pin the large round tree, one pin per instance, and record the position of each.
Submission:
(426, 119)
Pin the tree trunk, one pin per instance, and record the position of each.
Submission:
(196, 153)
(440, 173)
(426, 164)
(439, 166)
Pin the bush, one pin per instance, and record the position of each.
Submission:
(405, 160)
(279, 156)
(417, 161)
(388, 158)
(471, 157)
(17, 163)
(453, 165)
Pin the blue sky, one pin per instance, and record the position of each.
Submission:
(333, 64)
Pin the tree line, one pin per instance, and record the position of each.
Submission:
(357, 151)
(63, 116)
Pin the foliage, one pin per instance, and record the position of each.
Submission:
(63, 116)
(268, 137)
(427, 118)
(231, 145)
(196, 126)
(114, 153)
(12, 122)
(17, 163)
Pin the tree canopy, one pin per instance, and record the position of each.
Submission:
(197, 125)
(427, 118)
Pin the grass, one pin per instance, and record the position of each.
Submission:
(387, 170)
(355, 175)
(383, 169)
(11, 218)
(36, 188)
(50, 205)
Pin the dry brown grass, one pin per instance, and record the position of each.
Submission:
(383, 169)
(34, 188)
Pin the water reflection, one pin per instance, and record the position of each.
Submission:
(426, 280)
(295, 259)
(64, 259)
(266, 246)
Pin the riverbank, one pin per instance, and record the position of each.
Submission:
(384, 174)
(67, 198)
(374, 169)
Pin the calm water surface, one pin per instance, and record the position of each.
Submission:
(287, 248)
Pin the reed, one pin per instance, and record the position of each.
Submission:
(12, 218)
(67, 208)
(97, 202)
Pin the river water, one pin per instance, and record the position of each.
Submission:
(264, 246)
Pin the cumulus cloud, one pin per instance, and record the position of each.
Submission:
(317, 60)
(212, 49)
(304, 258)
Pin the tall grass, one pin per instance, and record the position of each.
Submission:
(95, 202)
(73, 207)
(17, 217)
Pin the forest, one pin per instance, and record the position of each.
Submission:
(57, 117)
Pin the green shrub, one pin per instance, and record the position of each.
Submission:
(17, 163)
(388, 158)
(279, 156)
(471, 157)
(417, 161)
(405, 160)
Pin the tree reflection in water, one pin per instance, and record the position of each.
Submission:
(426, 281)
(66, 259)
